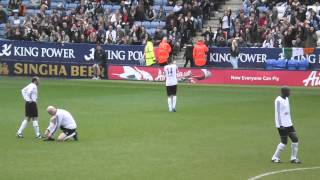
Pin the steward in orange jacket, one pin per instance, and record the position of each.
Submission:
(200, 53)
(163, 52)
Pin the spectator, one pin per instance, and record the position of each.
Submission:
(149, 53)
(100, 58)
(175, 38)
(200, 51)
(3, 15)
(150, 14)
(311, 39)
(163, 52)
(111, 35)
(208, 36)
(234, 52)
(161, 15)
(158, 35)
(188, 54)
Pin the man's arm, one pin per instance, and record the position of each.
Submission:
(51, 128)
(278, 111)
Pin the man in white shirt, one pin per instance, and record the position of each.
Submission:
(30, 96)
(285, 127)
(171, 84)
(62, 119)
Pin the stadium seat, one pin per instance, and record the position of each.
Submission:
(2, 33)
(146, 24)
(292, 64)
(162, 24)
(154, 24)
(71, 6)
(303, 64)
(30, 12)
(168, 9)
(107, 7)
(137, 23)
(164, 2)
(5, 3)
(115, 7)
(156, 8)
(280, 64)
(151, 31)
(269, 64)
(2, 26)
(158, 2)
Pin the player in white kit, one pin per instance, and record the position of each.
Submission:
(62, 119)
(30, 96)
(171, 85)
(285, 127)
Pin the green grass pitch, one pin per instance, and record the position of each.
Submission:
(126, 133)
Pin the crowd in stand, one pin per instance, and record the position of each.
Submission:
(89, 22)
(269, 23)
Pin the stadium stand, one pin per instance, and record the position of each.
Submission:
(266, 23)
(78, 22)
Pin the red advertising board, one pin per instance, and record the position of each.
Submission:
(218, 76)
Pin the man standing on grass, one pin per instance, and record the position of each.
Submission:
(171, 84)
(99, 65)
(285, 127)
(62, 119)
(30, 96)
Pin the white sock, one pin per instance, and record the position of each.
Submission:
(170, 103)
(22, 126)
(294, 151)
(35, 125)
(174, 102)
(279, 149)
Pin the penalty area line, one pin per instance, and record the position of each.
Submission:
(282, 171)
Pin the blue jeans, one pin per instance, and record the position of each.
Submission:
(234, 62)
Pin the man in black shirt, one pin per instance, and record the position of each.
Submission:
(99, 61)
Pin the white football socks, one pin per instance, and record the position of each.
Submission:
(35, 125)
(174, 102)
(22, 126)
(279, 149)
(294, 151)
(170, 103)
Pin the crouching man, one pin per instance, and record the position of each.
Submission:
(62, 119)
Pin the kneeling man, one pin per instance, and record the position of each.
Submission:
(62, 119)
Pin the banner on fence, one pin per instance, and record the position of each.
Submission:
(63, 70)
(218, 76)
(67, 53)
(253, 58)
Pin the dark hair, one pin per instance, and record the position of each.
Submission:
(35, 78)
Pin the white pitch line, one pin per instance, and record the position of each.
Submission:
(282, 171)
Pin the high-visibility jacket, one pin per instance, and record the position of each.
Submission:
(199, 54)
(163, 52)
(149, 54)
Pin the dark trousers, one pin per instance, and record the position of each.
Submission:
(189, 59)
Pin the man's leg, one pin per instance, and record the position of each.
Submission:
(23, 125)
(174, 102)
(36, 128)
(294, 147)
(98, 72)
(62, 136)
(94, 71)
(279, 149)
(170, 103)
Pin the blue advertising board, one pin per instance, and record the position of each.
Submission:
(252, 58)
(68, 53)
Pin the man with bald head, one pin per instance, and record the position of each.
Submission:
(285, 127)
(62, 119)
